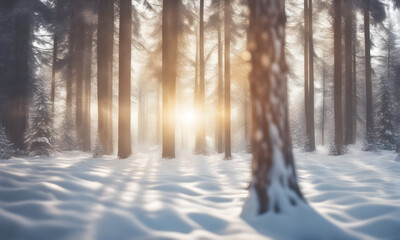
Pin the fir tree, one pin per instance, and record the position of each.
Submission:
(386, 129)
(39, 136)
(6, 147)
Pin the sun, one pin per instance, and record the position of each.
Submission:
(187, 117)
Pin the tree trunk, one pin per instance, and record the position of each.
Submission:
(104, 74)
(348, 18)
(124, 95)
(201, 138)
(311, 129)
(78, 64)
(306, 71)
(323, 104)
(220, 101)
(227, 112)
(368, 82)
(87, 79)
(354, 88)
(17, 105)
(273, 170)
(169, 70)
(54, 69)
(337, 7)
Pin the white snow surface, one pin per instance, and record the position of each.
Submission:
(74, 196)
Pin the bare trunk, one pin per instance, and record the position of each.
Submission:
(337, 5)
(220, 103)
(169, 68)
(368, 81)
(311, 129)
(348, 17)
(104, 74)
(227, 115)
(124, 93)
(201, 138)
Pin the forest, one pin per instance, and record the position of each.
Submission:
(199, 119)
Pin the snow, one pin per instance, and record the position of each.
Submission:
(74, 196)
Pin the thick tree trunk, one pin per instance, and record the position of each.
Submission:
(104, 73)
(201, 132)
(220, 100)
(349, 82)
(17, 105)
(124, 95)
(274, 181)
(311, 129)
(169, 70)
(337, 7)
(227, 112)
(368, 82)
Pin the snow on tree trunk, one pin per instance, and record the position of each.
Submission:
(273, 186)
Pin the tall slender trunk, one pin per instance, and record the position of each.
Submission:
(54, 71)
(220, 101)
(306, 70)
(323, 104)
(78, 63)
(354, 88)
(201, 139)
(348, 18)
(87, 92)
(337, 5)
(124, 94)
(368, 81)
(169, 71)
(227, 115)
(271, 139)
(311, 130)
(104, 75)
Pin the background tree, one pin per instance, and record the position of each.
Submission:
(105, 41)
(337, 26)
(40, 134)
(124, 109)
(169, 64)
(227, 76)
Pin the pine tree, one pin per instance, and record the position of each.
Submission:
(6, 147)
(386, 129)
(39, 136)
(67, 132)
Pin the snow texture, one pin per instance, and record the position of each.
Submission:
(74, 196)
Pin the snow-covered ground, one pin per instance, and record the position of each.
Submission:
(73, 196)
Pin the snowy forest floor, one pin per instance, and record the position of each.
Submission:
(73, 196)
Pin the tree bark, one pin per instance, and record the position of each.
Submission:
(220, 101)
(337, 7)
(348, 18)
(368, 82)
(227, 115)
(169, 70)
(273, 170)
(104, 74)
(17, 105)
(201, 138)
(124, 95)
(311, 129)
